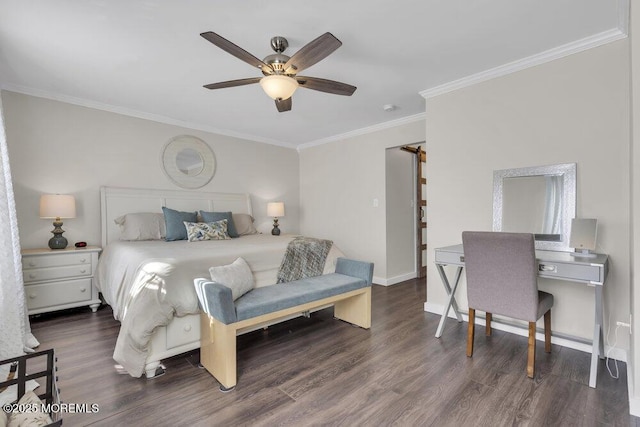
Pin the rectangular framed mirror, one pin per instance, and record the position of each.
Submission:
(539, 200)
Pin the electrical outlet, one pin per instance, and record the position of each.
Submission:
(626, 325)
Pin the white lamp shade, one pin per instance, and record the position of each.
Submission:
(275, 209)
(57, 206)
(278, 86)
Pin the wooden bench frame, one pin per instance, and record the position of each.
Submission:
(218, 341)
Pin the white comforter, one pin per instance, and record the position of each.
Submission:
(148, 283)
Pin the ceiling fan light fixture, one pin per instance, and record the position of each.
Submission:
(281, 71)
(277, 86)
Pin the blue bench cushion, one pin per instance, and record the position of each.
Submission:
(216, 299)
(278, 297)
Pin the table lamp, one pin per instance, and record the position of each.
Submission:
(275, 210)
(57, 206)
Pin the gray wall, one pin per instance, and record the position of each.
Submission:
(574, 109)
(56, 147)
(338, 183)
(634, 365)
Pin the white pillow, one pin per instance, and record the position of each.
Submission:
(142, 226)
(244, 224)
(236, 276)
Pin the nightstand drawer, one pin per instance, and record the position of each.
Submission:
(56, 260)
(52, 294)
(52, 273)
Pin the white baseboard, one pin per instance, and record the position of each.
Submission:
(634, 403)
(634, 407)
(564, 341)
(394, 280)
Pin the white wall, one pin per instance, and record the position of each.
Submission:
(634, 364)
(56, 147)
(575, 109)
(400, 214)
(338, 183)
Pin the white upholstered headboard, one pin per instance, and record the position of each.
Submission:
(115, 202)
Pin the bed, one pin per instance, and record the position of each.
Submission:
(149, 283)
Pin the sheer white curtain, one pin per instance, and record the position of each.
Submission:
(553, 205)
(15, 332)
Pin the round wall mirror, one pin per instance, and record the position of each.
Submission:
(188, 161)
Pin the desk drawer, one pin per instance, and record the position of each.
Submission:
(575, 272)
(453, 258)
(52, 294)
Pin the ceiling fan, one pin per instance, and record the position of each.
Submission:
(280, 71)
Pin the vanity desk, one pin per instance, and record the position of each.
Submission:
(551, 264)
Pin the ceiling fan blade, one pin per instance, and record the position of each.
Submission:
(324, 85)
(236, 51)
(313, 52)
(283, 105)
(233, 83)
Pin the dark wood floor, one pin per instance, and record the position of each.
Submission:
(321, 371)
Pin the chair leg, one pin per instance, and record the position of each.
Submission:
(487, 328)
(531, 353)
(547, 331)
(470, 331)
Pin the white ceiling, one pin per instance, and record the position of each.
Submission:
(147, 59)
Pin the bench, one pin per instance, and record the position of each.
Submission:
(222, 319)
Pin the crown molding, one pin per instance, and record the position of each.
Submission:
(364, 131)
(541, 58)
(137, 114)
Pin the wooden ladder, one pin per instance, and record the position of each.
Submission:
(421, 245)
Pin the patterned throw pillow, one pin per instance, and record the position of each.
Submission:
(197, 231)
(217, 216)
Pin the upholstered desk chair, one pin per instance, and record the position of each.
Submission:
(502, 278)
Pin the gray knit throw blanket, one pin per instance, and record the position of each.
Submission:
(304, 257)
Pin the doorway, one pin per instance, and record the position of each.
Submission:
(405, 220)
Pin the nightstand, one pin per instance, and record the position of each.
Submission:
(59, 279)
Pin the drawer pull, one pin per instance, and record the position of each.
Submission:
(83, 260)
(83, 271)
(547, 267)
(32, 264)
(32, 296)
(187, 328)
(83, 289)
(32, 276)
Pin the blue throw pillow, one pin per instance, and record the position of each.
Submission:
(217, 216)
(174, 222)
